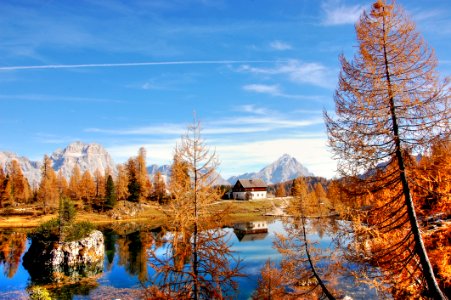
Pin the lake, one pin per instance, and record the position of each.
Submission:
(125, 264)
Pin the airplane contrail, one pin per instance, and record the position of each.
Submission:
(138, 64)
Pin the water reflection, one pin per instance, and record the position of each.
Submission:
(251, 231)
(12, 245)
(126, 263)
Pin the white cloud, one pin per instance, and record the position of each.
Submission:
(337, 13)
(299, 72)
(262, 89)
(160, 152)
(279, 45)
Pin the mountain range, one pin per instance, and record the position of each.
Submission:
(94, 157)
(89, 157)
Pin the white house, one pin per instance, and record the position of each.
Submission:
(246, 189)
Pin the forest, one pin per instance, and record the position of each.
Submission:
(390, 135)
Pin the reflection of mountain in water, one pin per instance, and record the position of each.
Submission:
(251, 231)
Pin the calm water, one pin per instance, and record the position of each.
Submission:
(125, 264)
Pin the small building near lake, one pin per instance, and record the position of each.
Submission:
(247, 189)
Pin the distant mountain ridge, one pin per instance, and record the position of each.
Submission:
(87, 156)
(93, 156)
(165, 171)
(30, 169)
(283, 169)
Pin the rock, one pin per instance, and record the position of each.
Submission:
(47, 261)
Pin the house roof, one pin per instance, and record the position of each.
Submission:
(252, 183)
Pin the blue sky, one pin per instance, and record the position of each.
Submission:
(127, 74)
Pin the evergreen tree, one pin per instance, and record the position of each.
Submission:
(134, 187)
(110, 194)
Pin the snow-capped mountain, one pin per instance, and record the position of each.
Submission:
(283, 169)
(89, 157)
(30, 169)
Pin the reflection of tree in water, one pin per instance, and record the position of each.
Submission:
(308, 268)
(12, 245)
(173, 263)
(110, 238)
(132, 252)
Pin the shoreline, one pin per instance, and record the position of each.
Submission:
(150, 214)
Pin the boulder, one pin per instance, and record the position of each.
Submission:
(49, 261)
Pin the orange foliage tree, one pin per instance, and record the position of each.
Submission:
(389, 104)
(197, 263)
(18, 186)
(74, 183)
(48, 188)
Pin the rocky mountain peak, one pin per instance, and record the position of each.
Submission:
(284, 168)
(89, 157)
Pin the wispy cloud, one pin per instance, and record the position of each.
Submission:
(132, 64)
(280, 46)
(252, 119)
(163, 129)
(263, 89)
(337, 13)
(58, 98)
(299, 72)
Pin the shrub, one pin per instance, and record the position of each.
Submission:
(39, 293)
(52, 231)
(78, 231)
(48, 231)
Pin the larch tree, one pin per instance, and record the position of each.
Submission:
(4, 192)
(390, 104)
(198, 264)
(122, 183)
(74, 183)
(63, 186)
(48, 189)
(142, 175)
(18, 184)
(87, 188)
(100, 182)
(159, 187)
(280, 190)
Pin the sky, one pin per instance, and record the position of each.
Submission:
(127, 74)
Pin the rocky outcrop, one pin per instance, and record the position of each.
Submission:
(76, 259)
